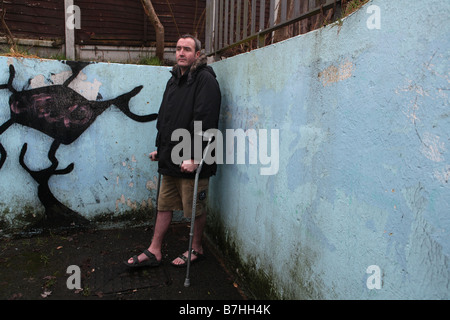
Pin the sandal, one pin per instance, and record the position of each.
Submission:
(151, 262)
(199, 258)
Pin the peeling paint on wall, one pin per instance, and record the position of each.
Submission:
(334, 74)
(152, 184)
(443, 175)
(134, 205)
(432, 147)
(87, 89)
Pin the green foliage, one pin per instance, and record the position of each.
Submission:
(353, 5)
(150, 61)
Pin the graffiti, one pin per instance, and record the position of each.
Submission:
(63, 114)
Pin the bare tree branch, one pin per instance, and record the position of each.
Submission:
(159, 28)
(8, 33)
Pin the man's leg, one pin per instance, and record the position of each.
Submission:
(163, 221)
(200, 222)
(169, 199)
(187, 192)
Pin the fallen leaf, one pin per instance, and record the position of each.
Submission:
(16, 296)
(60, 247)
(46, 294)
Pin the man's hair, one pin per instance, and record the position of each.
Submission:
(198, 44)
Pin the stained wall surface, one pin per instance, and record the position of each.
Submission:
(359, 207)
(342, 191)
(84, 141)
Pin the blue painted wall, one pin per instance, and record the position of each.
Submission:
(112, 174)
(363, 122)
(364, 130)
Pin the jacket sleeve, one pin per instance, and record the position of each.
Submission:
(158, 120)
(206, 109)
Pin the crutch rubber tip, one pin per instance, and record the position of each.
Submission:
(187, 283)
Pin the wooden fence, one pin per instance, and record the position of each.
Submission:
(234, 26)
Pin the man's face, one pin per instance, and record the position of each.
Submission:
(185, 53)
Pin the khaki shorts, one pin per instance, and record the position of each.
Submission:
(177, 194)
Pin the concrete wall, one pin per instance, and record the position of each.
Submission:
(112, 175)
(362, 190)
(360, 180)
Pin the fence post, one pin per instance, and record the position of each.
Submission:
(283, 15)
(232, 21)
(209, 26)
(216, 25)
(225, 28)
(238, 20)
(253, 18)
(262, 13)
(69, 31)
(245, 24)
(272, 13)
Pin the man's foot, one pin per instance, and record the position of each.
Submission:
(145, 259)
(181, 260)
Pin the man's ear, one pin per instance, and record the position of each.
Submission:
(197, 54)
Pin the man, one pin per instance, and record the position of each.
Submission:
(191, 94)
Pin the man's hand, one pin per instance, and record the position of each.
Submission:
(189, 166)
(153, 156)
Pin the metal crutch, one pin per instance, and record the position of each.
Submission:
(187, 281)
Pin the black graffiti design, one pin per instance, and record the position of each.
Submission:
(63, 114)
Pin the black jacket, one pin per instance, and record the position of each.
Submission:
(194, 96)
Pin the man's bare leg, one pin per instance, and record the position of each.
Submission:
(163, 221)
(200, 222)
